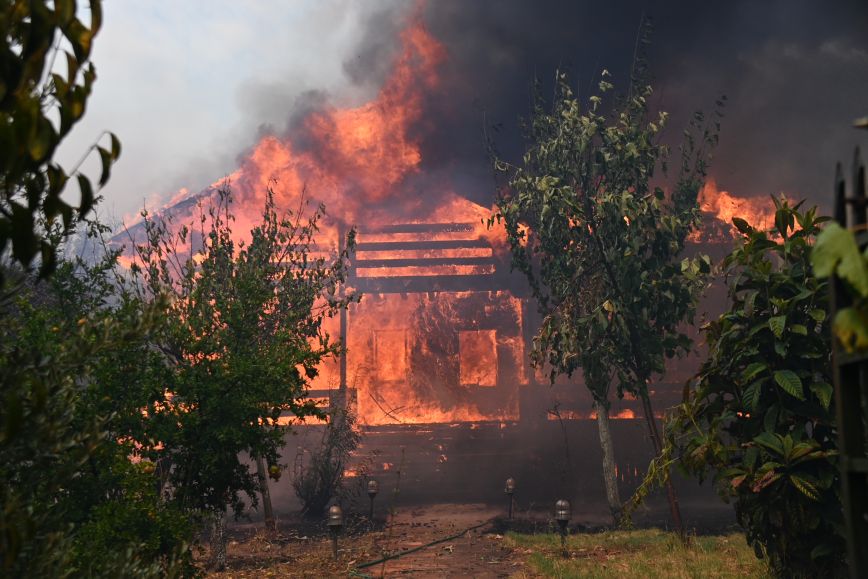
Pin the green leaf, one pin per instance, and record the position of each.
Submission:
(818, 314)
(106, 161)
(771, 441)
(781, 349)
(823, 391)
(751, 396)
(770, 420)
(86, 194)
(115, 147)
(752, 370)
(799, 329)
(836, 252)
(749, 299)
(750, 457)
(40, 144)
(851, 327)
(742, 225)
(777, 325)
(821, 550)
(805, 486)
(790, 382)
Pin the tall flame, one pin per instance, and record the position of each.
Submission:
(352, 158)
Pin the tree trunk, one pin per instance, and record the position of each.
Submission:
(657, 441)
(262, 473)
(610, 480)
(218, 542)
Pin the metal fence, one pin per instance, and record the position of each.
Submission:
(851, 378)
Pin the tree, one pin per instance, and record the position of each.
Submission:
(52, 442)
(759, 418)
(73, 502)
(599, 244)
(247, 338)
(38, 109)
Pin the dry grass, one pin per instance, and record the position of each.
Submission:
(269, 555)
(638, 553)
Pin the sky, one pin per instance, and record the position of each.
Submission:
(189, 86)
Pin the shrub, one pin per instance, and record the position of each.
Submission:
(322, 479)
(759, 419)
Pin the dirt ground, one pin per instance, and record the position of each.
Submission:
(470, 545)
(449, 540)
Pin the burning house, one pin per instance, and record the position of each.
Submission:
(437, 349)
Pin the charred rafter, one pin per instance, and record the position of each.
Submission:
(422, 262)
(420, 245)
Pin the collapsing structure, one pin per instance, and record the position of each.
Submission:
(440, 333)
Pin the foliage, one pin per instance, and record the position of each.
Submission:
(836, 252)
(245, 340)
(758, 420)
(67, 478)
(322, 479)
(133, 522)
(38, 109)
(599, 243)
(72, 502)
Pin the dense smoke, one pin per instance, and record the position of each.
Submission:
(795, 74)
(411, 132)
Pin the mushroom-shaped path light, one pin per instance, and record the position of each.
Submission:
(509, 489)
(562, 516)
(335, 522)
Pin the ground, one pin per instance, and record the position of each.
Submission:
(304, 549)
(476, 540)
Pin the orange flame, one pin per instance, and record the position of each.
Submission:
(357, 161)
(353, 157)
(723, 206)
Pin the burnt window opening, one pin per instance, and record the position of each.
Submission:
(390, 354)
(477, 356)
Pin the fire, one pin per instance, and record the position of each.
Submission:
(625, 414)
(723, 207)
(410, 362)
(370, 146)
(353, 158)
(437, 337)
(350, 159)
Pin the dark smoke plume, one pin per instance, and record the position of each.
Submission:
(795, 74)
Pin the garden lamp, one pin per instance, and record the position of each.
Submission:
(335, 522)
(509, 489)
(373, 489)
(562, 516)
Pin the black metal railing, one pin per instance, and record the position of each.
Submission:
(851, 379)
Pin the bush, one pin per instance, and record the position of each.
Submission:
(759, 419)
(323, 477)
(73, 502)
(132, 520)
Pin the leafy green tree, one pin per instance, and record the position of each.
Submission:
(590, 225)
(53, 443)
(38, 109)
(759, 419)
(245, 341)
(73, 502)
